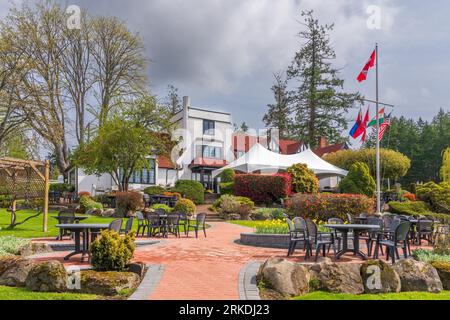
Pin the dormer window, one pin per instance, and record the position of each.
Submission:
(208, 127)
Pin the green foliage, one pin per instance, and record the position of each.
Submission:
(413, 188)
(129, 201)
(228, 204)
(87, 203)
(226, 188)
(303, 179)
(417, 209)
(438, 195)
(112, 252)
(324, 206)
(11, 245)
(272, 227)
(154, 190)
(358, 180)
(395, 165)
(192, 190)
(445, 169)
(184, 206)
(430, 256)
(61, 187)
(268, 214)
(164, 207)
(227, 175)
(5, 201)
(417, 296)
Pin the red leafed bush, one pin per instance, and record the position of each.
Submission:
(262, 188)
(325, 206)
(83, 193)
(410, 196)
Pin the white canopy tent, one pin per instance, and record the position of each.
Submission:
(261, 159)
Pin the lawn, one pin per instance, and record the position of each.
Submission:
(13, 293)
(319, 295)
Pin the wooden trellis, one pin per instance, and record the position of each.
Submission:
(25, 180)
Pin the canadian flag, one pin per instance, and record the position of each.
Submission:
(370, 64)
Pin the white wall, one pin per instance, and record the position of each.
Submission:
(87, 182)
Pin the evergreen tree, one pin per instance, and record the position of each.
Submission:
(172, 100)
(278, 115)
(318, 103)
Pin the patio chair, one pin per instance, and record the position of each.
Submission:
(116, 225)
(350, 218)
(160, 212)
(147, 201)
(297, 233)
(154, 224)
(371, 237)
(173, 201)
(424, 231)
(200, 224)
(173, 225)
(183, 221)
(65, 217)
(142, 223)
(399, 238)
(318, 239)
(128, 226)
(337, 234)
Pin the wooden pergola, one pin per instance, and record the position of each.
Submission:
(25, 180)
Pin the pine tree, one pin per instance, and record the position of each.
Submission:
(318, 103)
(172, 100)
(278, 115)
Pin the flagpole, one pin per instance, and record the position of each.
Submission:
(377, 136)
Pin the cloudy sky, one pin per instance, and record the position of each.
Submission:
(222, 53)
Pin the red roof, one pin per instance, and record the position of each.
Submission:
(329, 149)
(165, 163)
(244, 142)
(206, 162)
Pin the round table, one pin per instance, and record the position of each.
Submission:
(357, 229)
(85, 229)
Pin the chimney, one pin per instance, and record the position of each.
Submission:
(186, 105)
(323, 142)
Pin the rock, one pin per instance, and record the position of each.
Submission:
(284, 276)
(379, 277)
(418, 276)
(15, 271)
(108, 213)
(341, 278)
(138, 268)
(443, 270)
(109, 283)
(49, 276)
(33, 248)
(7, 261)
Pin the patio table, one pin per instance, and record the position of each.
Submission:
(357, 229)
(77, 219)
(85, 229)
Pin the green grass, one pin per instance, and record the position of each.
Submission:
(320, 295)
(13, 293)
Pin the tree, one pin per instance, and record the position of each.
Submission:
(445, 169)
(303, 179)
(394, 165)
(172, 100)
(278, 115)
(124, 143)
(318, 103)
(358, 180)
(242, 128)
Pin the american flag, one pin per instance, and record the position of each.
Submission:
(383, 127)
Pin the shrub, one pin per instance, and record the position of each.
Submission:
(272, 227)
(184, 206)
(429, 256)
(192, 190)
(112, 252)
(413, 188)
(303, 179)
(227, 175)
(416, 209)
(61, 187)
(262, 188)
(154, 190)
(409, 196)
(83, 194)
(438, 195)
(11, 245)
(268, 214)
(129, 201)
(358, 181)
(235, 205)
(87, 203)
(5, 201)
(164, 207)
(226, 187)
(173, 194)
(324, 206)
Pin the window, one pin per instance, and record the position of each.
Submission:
(208, 127)
(144, 176)
(211, 152)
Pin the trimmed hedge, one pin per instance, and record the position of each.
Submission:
(184, 206)
(227, 175)
(416, 209)
(325, 206)
(192, 190)
(303, 179)
(262, 188)
(154, 190)
(226, 188)
(61, 187)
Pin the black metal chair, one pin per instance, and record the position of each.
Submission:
(318, 239)
(160, 212)
(183, 221)
(65, 217)
(371, 236)
(350, 218)
(397, 239)
(424, 231)
(153, 225)
(116, 225)
(337, 234)
(200, 224)
(297, 233)
(128, 226)
(173, 224)
(142, 223)
(147, 201)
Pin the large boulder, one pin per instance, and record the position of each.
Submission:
(418, 276)
(284, 276)
(33, 248)
(341, 278)
(108, 213)
(443, 270)
(379, 277)
(138, 268)
(109, 283)
(14, 271)
(49, 276)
